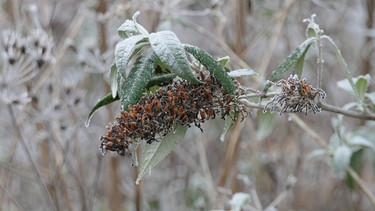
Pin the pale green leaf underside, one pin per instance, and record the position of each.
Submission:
(242, 72)
(131, 28)
(170, 51)
(361, 141)
(125, 50)
(344, 67)
(127, 29)
(113, 80)
(341, 158)
(156, 151)
(360, 84)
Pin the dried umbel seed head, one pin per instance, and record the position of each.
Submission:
(296, 96)
(181, 103)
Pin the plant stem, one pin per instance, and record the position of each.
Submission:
(323, 106)
(320, 61)
(337, 110)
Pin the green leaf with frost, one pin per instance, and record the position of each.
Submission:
(341, 158)
(298, 67)
(127, 29)
(223, 60)
(134, 153)
(291, 60)
(242, 72)
(126, 49)
(361, 84)
(156, 151)
(113, 80)
(131, 28)
(357, 140)
(344, 67)
(105, 101)
(371, 97)
(170, 51)
(160, 79)
(213, 66)
(139, 27)
(335, 141)
(139, 77)
(316, 153)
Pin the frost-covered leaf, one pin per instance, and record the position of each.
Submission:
(228, 124)
(139, 27)
(242, 72)
(215, 68)
(298, 67)
(223, 60)
(362, 84)
(334, 141)
(266, 121)
(361, 141)
(113, 81)
(126, 49)
(316, 153)
(356, 162)
(291, 60)
(239, 200)
(139, 77)
(370, 97)
(131, 28)
(170, 51)
(161, 79)
(105, 101)
(344, 67)
(345, 85)
(134, 153)
(156, 151)
(341, 158)
(127, 29)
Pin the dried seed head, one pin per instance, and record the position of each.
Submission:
(181, 103)
(296, 96)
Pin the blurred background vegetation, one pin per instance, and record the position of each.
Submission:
(50, 160)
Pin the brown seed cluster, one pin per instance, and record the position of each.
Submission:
(181, 103)
(296, 96)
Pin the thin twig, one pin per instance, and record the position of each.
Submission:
(323, 106)
(261, 94)
(337, 110)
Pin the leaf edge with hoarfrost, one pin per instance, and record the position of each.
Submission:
(156, 151)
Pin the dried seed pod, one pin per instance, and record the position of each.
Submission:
(296, 96)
